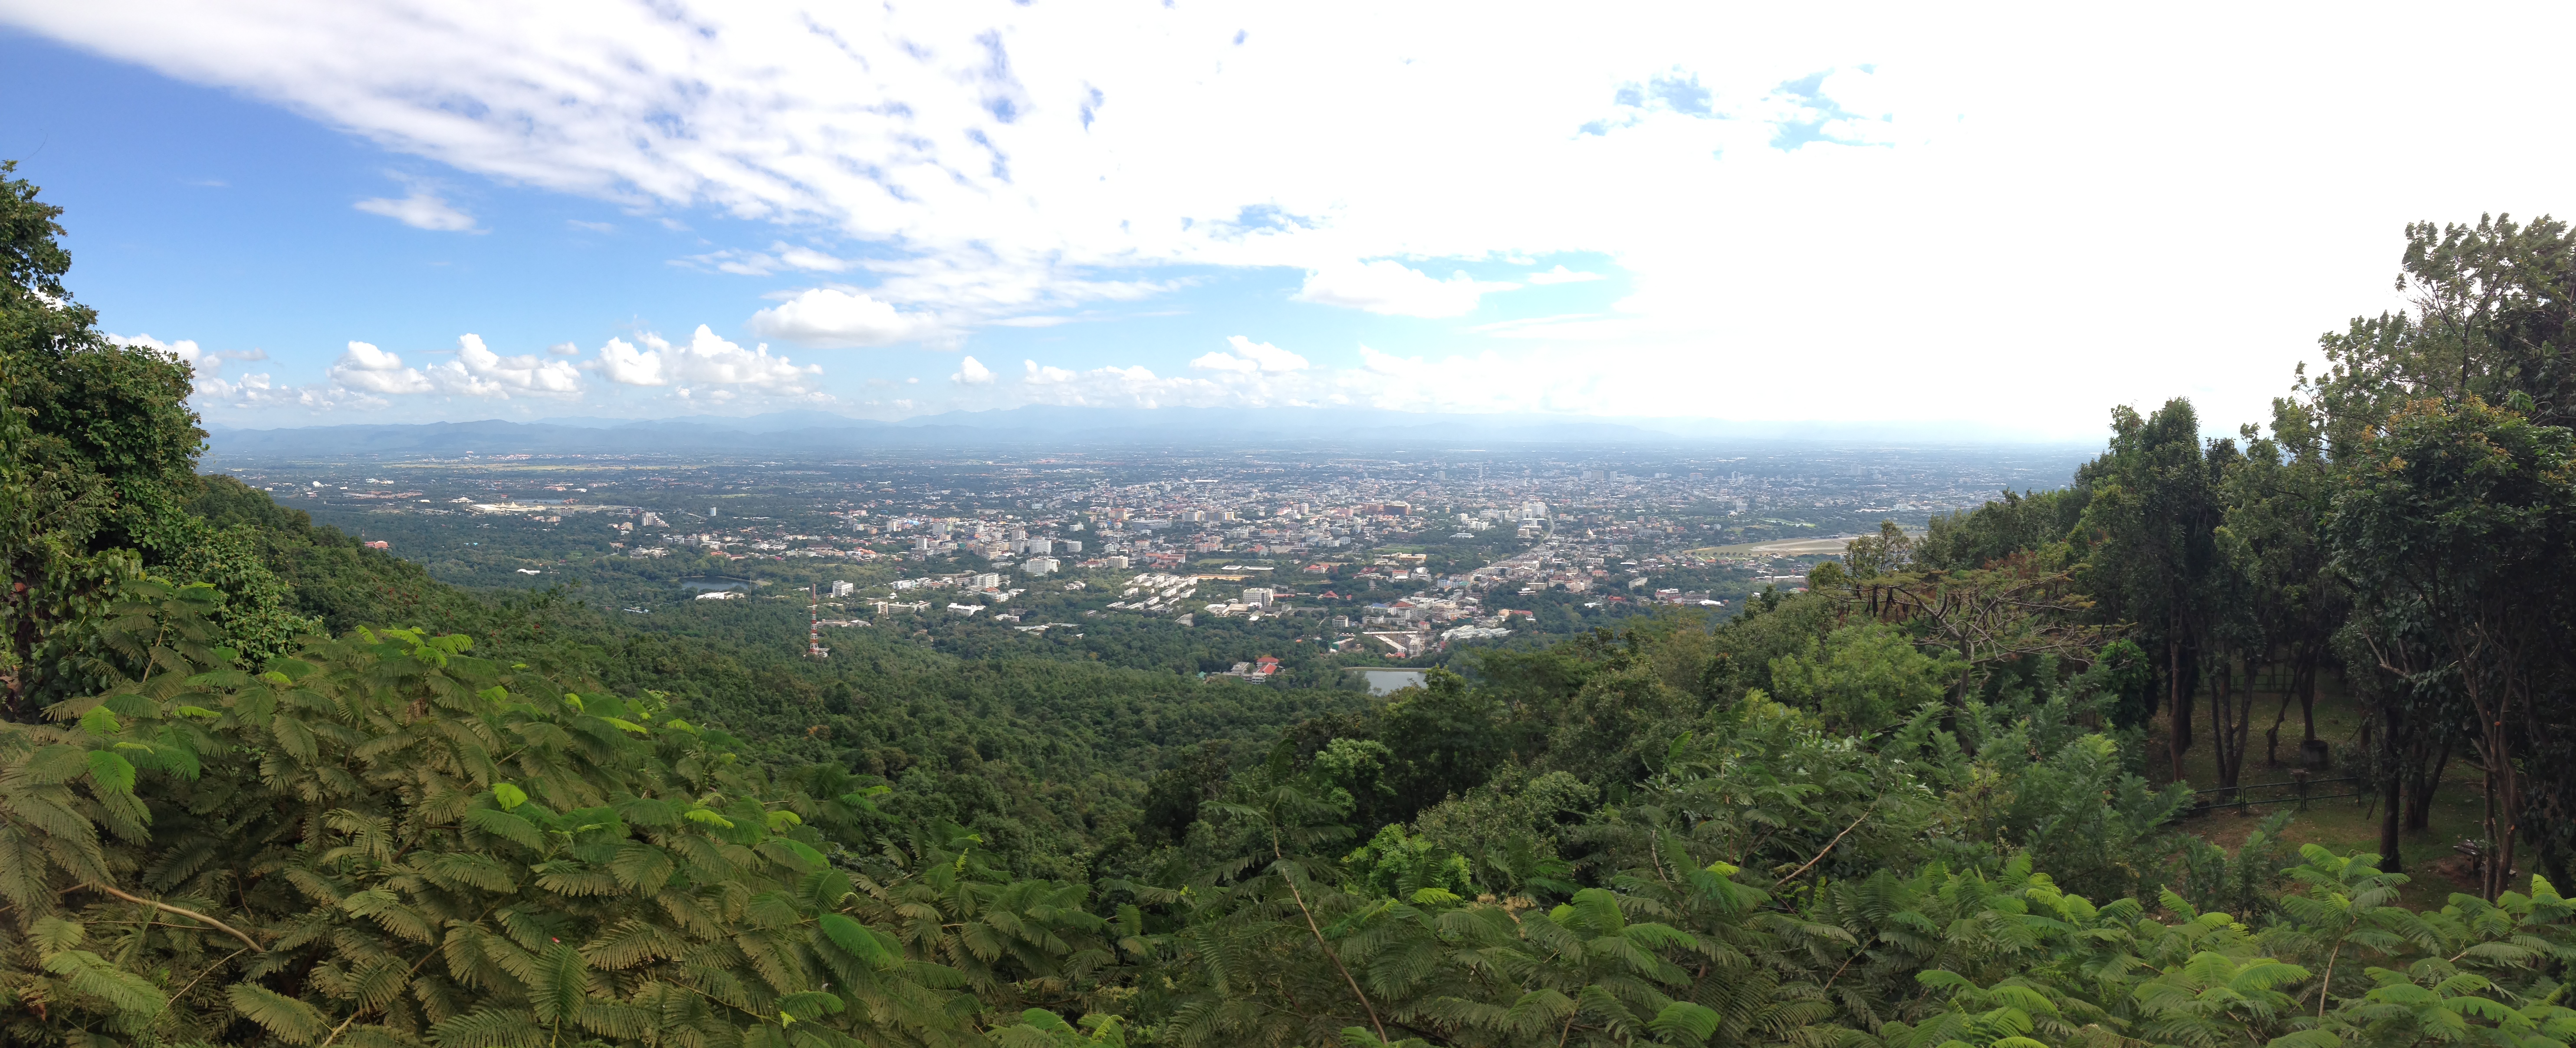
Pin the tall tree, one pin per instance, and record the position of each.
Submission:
(2275, 499)
(2490, 319)
(98, 457)
(2150, 524)
(2460, 509)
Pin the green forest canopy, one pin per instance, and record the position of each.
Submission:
(259, 785)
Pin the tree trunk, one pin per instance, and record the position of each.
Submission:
(2419, 798)
(2226, 734)
(2390, 861)
(2306, 685)
(2503, 795)
(2486, 854)
(2177, 707)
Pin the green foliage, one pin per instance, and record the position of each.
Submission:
(1863, 677)
(1398, 865)
(385, 838)
(2452, 517)
(1874, 815)
(98, 453)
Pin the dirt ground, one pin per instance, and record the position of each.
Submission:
(2346, 825)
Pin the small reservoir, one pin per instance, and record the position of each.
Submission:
(1387, 681)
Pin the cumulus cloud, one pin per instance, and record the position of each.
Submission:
(972, 373)
(366, 367)
(421, 210)
(476, 371)
(1248, 356)
(207, 384)
(705, 362)
(830, 318)
(1393, 288)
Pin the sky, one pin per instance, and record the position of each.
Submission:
(2014, 217)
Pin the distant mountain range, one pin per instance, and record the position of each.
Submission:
(815, 432)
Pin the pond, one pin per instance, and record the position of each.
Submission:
(1387, 682)
(712, 583)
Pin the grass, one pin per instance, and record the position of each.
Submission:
(2345, 825)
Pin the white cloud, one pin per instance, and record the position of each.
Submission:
(831, 318)
(260, 393)
(186, 351)
(1746, 170)
(1248, 356)
(781, 256)
(1390, 287)
(207, 384)
(972, 373)
(704, 361)
(810, 260)
(592, 227)
(1562, 275)
(626, 365)
(368, 368)
(476, 371)
(421, 210)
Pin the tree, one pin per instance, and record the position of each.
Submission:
(98, 454)
(2460, 511)
(2272, 539)
(1863, 677)
(2150, 548)
(2492, 305)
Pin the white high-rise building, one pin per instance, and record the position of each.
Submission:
(1040, 565)
(1258, 596)
(843, 589)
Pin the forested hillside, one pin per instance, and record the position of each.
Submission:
(260, 785)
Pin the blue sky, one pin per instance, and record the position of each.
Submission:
(388, 211)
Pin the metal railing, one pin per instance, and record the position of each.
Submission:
(2300, 791)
